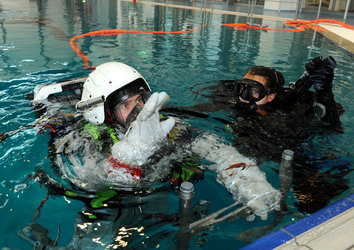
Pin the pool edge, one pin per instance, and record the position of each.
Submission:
(341, 36)
(305, 231)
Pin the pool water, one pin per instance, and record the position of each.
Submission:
(35, 50)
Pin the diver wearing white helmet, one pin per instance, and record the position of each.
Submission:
(113, 93)
(117, 94)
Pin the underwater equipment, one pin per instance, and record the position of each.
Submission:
(319, 110)
(185, 208)
(6, 135)
(52, 92)
(250, 90)
(92, 103)
(285, 175)
(42, 92)
(318, 72)
(37, 235)
(218, 216)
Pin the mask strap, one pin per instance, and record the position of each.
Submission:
(277, 81)
(276, 76)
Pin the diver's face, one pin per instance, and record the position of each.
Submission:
(123, 109)
(262, 80)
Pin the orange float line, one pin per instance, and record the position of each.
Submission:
(114, 32)
(242, 26)
(304, 22)
(297, 26)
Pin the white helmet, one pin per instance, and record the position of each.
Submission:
(109, 84)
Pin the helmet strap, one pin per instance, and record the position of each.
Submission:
(110, 117)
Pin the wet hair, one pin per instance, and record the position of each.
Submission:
(275, 79)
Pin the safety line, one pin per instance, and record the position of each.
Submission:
(294, 26)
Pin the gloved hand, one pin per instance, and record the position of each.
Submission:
(249, 185)
(240, 175)
(264, 203)
(321, 72)
(146, 134)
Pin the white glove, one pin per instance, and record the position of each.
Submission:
(249, 185)
(146, 134)
(240, 175)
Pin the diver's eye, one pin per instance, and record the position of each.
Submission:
(255, 92)
(139, 100)
(123, 106)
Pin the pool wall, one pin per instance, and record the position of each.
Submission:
(329, 227)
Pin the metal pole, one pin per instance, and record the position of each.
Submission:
(346, 10)
(285, 175)
(319, 9)
(185, 207)
(297, 9)
(252, 7)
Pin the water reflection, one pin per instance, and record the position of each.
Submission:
(35, 49)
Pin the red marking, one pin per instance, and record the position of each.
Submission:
(47, 126)
(174, 181)
(134, 171)
(28, 176)
(242, 165)
(261, 112)
(39, 208)
(238, 165)
(109, 116)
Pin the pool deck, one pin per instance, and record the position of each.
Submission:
(329, 228)
(343, 37)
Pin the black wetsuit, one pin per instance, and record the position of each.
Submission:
(289, 122)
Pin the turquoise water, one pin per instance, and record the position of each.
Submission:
(35, 49)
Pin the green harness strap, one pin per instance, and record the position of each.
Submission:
(112, 133)
(94, 131)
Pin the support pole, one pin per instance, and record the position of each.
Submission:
(285, 175)
(319, 9)
(346, 10)
(185, 207)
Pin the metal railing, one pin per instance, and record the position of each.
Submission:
(299, 4)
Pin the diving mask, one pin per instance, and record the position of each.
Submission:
(250, 90)
(126, 111)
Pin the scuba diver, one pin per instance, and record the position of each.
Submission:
(267, 117)
(117, 96)
(126, 145)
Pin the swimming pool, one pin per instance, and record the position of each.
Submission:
(35, 50)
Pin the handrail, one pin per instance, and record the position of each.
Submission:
(346, 10)
(299, 4)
